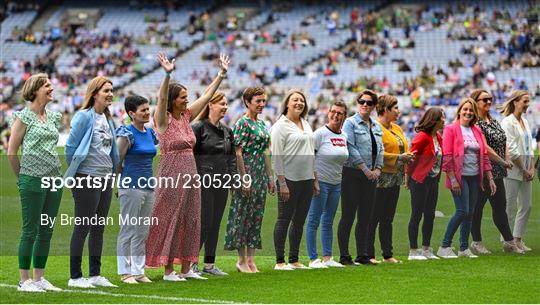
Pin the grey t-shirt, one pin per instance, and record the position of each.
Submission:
(472, 152)
(98, 162)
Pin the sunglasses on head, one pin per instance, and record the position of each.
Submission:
(487, 100)
(362, 102)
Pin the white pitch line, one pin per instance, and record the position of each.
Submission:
(142, 296)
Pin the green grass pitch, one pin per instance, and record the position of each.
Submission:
(497, 278)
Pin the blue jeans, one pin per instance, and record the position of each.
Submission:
(465, 204)
(322, 210)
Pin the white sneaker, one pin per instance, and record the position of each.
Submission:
(511, 247)
(299, 266)
(416, 255)
(46, 285)
(446, 252)
(29, 286)
(429, 253)
(332, 263)
(478, 247)
(466, 253)
(100, 281)
(80, 283)
(173, 277)
(191, 275)
(283, 267)
(317, 264)
(522, 246)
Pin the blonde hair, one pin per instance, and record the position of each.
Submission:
(95, 85)
(218, 96)
(285, 102)
(385, 102)
(473, 106)
(32, 85)
(509, 105)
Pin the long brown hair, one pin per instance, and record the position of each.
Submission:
(476, 94)
(218, 96)
(93, 88)
(285, 102)
(174, 92)
(429, 119)
(509, 106)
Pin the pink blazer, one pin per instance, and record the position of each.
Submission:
(454, 151)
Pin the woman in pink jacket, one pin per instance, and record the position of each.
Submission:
(466, 163)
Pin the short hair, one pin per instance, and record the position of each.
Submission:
(250, 92)
(32, 85)
(133, 102)
(386, 102)
(340, 104)
(371, 93)
(174, 92)
(429, 119)
(285, 102)
(473, 106)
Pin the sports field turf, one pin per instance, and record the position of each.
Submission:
(498, 278)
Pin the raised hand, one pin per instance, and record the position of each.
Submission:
(167, 65)
(224, 62)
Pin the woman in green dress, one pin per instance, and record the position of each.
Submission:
(251, 141)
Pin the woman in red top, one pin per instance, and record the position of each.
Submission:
(423, 175)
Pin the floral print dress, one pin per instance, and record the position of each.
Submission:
(246, 213)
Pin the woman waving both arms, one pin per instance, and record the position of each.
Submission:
(176, 237)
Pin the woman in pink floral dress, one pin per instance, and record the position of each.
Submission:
(175, 237)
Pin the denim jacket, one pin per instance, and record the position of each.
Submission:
(359, 142)
(80, 138)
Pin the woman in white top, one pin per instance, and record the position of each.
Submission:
(330, 154)
(293, 162)
(518, 184)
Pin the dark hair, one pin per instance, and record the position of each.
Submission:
(133, 102)
(340, 104)
(386, 102)
(250, 92)
(476, 94)
(174, 92)
(429, 119)
(285, 102)
(371, 93)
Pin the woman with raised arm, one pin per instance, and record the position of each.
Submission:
(176, 237)
(35, 128)
(251, 141)
(518, 184)
(498, 153)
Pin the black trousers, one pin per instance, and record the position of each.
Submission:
(89, 202)
(357, 200)
(213, 202)
(386, 200)
(292, 212)
(498, 209)
(424, 198)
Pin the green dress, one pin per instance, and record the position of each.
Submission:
(246, 213)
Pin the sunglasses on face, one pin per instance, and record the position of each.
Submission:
(362, 102)
(487, 100)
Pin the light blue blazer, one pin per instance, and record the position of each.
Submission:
(80, 138)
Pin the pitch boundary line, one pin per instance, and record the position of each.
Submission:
(142, 296)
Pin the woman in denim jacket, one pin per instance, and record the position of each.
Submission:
(360, 174)
(91, 152)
